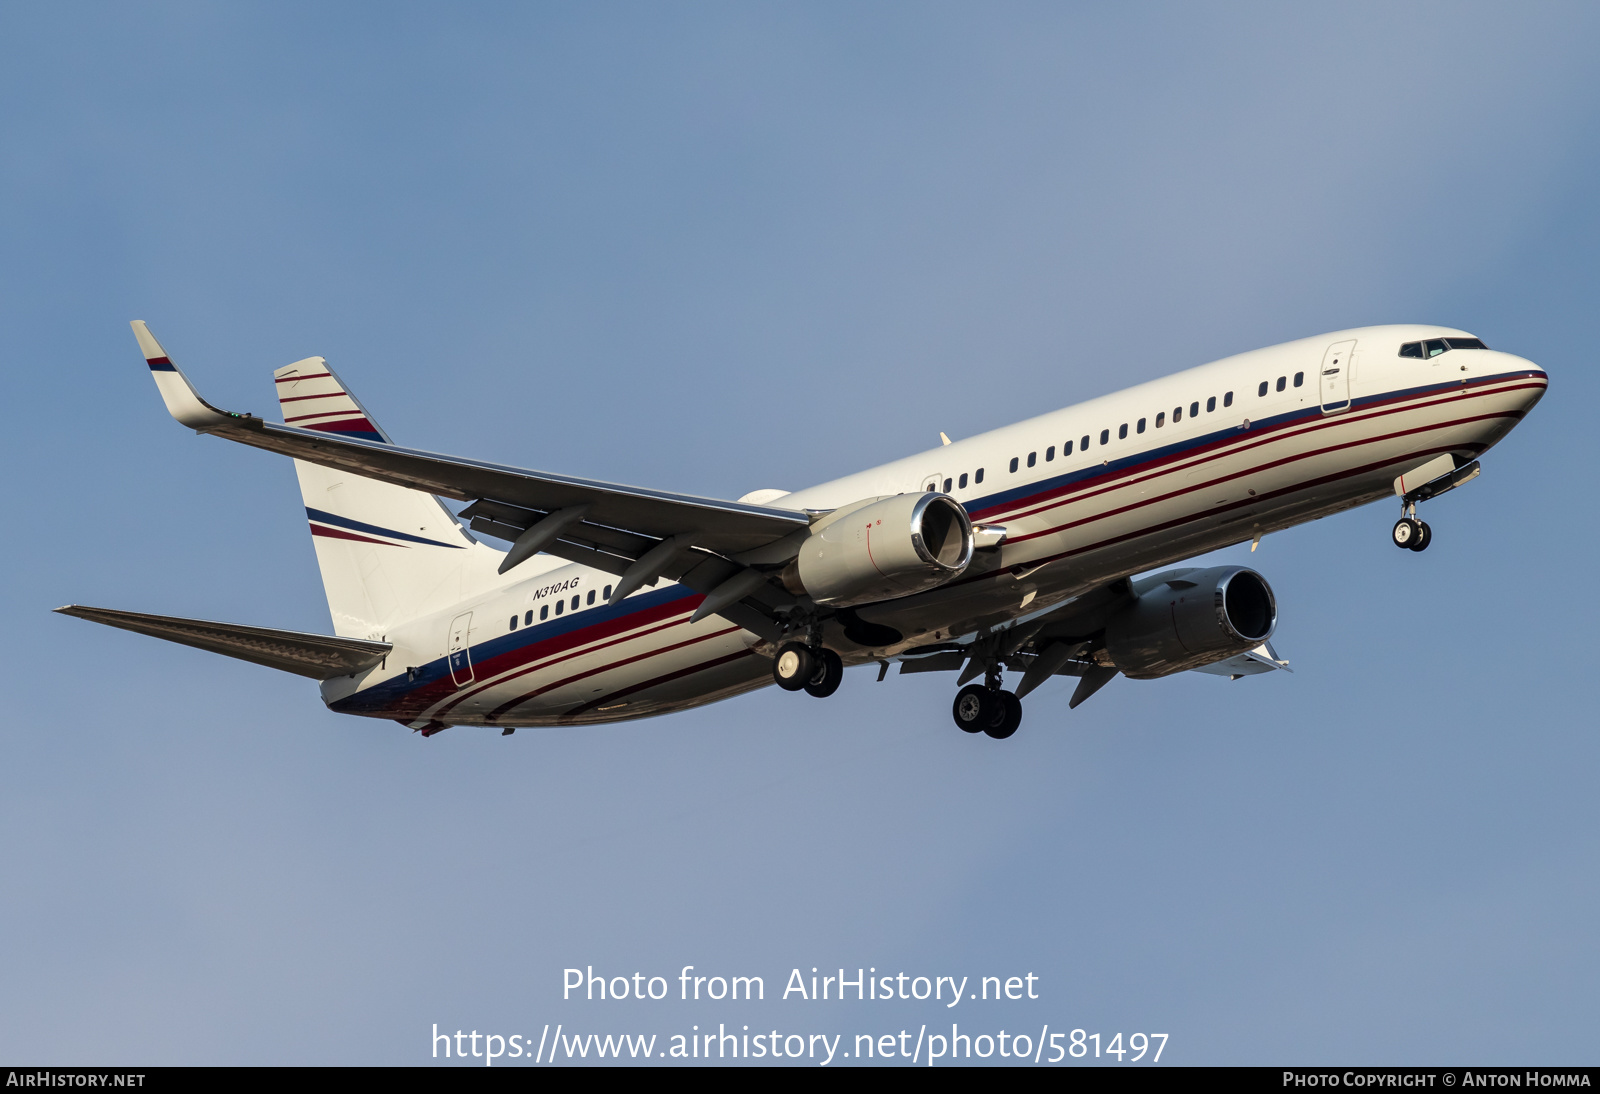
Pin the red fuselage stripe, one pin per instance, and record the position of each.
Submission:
(303, 398)
(1224, 448)
(533, 663)
(338, 533)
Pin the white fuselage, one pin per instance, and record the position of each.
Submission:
(1172, 468)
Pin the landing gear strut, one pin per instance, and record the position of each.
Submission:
(982, 709)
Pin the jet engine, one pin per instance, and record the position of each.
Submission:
(1190, 618)
(881, 549)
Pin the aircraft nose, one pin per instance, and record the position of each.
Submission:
(1513, 363)
(1534, 375)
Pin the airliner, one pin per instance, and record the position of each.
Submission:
(1026, 550)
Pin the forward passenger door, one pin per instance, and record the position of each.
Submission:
(1336, 377)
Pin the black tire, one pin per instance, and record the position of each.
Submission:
(974, 708)
(830, 671)
(1406, 533)
(1424, 537)
(794, 666)
(1010, 716)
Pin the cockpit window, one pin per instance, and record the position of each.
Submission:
(1435, 346)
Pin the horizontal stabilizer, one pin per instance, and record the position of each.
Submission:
(319, 656)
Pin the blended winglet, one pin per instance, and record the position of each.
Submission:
(183, 402)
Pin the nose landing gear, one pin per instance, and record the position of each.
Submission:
(1410, 533)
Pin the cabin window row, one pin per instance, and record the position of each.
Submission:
(958, 483)
(561, 607)
(1283, 382)
(1084, 442)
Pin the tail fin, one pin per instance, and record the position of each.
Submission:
(387, 554)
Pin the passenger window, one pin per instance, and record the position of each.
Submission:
(1177, 415)
(1105, 436)
(574, 603)
(544, 612)
(1211, 404)
(513, 622)
(1227, 399)
(1122, 431)
(1049, 453)
(977, 476)
(1283, 382)
(1194, 408)
(963, 482)
(947, 485)
(527, 620)
(1033, 458)
(1411, 349)
(1083, 445)
(561, 606)
(607, 592)
(1261, 392)
(591, 596)
(1140, 427)
(1434, 346)
(1013, 465)
(1299, 378)
(1161, 419)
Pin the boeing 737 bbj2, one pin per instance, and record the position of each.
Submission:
(1016, 551)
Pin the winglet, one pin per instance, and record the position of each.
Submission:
(183, 402)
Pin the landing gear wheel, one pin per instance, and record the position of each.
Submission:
(1424, 538)
(830, 671)
(1407, 531)
(974, 708)
(794, 667)
(1009, 718)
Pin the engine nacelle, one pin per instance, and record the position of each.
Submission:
(883, 549)
(1192, 618)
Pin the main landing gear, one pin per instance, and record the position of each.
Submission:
(980, 708)
(1411, 533)
(816, 670)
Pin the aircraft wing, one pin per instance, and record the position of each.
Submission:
(319, 656)
(597, 517)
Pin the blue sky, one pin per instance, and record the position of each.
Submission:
(713, 248)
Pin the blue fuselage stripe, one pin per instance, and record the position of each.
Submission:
(322, 517)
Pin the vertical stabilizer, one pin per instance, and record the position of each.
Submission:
(387, 554)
